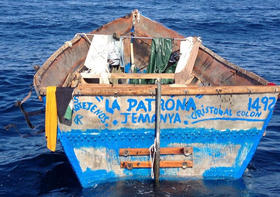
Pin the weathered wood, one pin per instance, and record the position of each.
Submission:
(72, 77)
(135, 76)
(122, 90)
(163, 151)
(215, 71)
(163, 164)
(167, 90)
(236, 68)
(184, 76)
(189, 80)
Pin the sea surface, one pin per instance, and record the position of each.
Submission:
(246, 33)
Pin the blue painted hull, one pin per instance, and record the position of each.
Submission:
(223, 143)
(215, 143)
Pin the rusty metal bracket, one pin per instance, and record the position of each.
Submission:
(186, 151)
(163, 164)
(163, 151)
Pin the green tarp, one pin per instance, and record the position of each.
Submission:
(161, 50)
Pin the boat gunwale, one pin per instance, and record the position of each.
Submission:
(174, 89)
(234, 66)
(61, 50)
(187, 90)
(48, 63)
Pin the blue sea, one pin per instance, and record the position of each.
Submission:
(246, 33)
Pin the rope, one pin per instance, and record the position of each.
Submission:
(152, 150)
(138, 17)
(27, 97)
(84, 35)
(69, 43)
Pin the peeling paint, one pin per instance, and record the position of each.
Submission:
(94, 159)
(98, 159)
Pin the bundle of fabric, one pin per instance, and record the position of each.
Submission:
(59, 106)
(104, 50)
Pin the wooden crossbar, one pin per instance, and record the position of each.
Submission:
(134, 76)
(174, 89)
(170, 90)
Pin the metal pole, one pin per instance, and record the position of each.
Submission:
(157, 142)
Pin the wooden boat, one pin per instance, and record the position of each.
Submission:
(206, 123)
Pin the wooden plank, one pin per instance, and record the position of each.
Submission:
(143, 76)
(163, 164)
(186, 74)
(233, 66)
(137, 90)
(168, 90)
(163, 151)
(134, 75)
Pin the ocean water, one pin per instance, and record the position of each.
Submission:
(246, 33)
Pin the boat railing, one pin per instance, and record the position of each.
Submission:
(133, 37)
(134, 75)
(170, 89)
